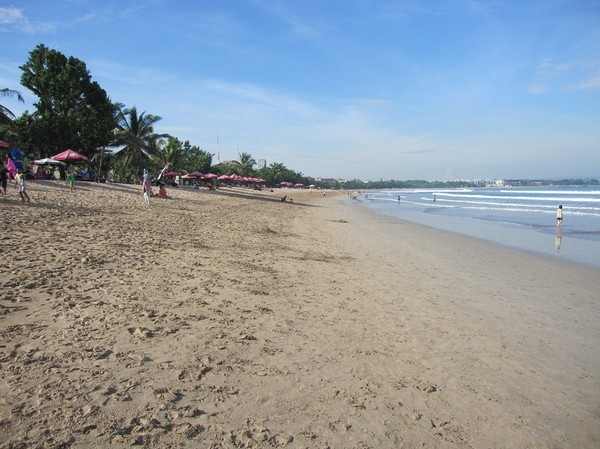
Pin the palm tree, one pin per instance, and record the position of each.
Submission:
(6, 115)
(170, 153)
(135, 132)
(247, 162)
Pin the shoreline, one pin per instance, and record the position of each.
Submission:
(235, 320)
(559, 244)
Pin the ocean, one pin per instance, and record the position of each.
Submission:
(523, 218)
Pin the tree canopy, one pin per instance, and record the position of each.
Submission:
(72, 111)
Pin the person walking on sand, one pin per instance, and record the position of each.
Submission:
(71, 181)
(21, 185)
(559, 216)
(146, 188)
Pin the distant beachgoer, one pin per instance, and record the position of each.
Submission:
(11, 168)
(559, 216)
(434, 198)
(146, 188)
(398, 198)
(71, 181)
(21, 185)
(284, 199)
(162, 192)
(3, 179)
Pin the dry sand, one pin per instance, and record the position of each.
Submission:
(230, 319)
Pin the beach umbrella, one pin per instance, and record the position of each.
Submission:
(224, 178)
(189, 176)
(69, 156)
(170, 174)
(197, 174)
(4, 144)
(48, 161)
(209, 176)
(299, 185)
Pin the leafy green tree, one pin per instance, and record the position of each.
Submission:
(135, 133)
(195, 159)
(276, 173)
(6, 115)
(72, 111)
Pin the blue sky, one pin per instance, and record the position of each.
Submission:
(437, 90)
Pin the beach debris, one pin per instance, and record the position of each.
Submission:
(427, 387)
(140, 332)
(437, 423)
(246, 337)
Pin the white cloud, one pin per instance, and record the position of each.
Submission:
(296, 26)
(537, 89)
(12, 19)
(11, 15)
(591, 83)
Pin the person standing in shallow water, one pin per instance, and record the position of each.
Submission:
(559, 216)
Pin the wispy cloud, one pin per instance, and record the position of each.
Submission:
(537, 89)
(552, 76)
(591, 83)
(419, 151)
(297, 26)
(13, 19)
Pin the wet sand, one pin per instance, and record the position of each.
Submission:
(230, 319)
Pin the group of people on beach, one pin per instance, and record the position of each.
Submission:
(147, 188)
(11, 171)
(20, 182)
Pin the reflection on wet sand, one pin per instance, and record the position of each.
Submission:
(558, 238)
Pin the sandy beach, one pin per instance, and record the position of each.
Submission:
(229, 319)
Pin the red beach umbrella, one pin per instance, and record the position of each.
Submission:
(69, 156)
(210, 176)
(171, 174)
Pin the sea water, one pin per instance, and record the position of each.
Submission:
(523, 218)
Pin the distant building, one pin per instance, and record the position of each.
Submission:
(262, 163)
